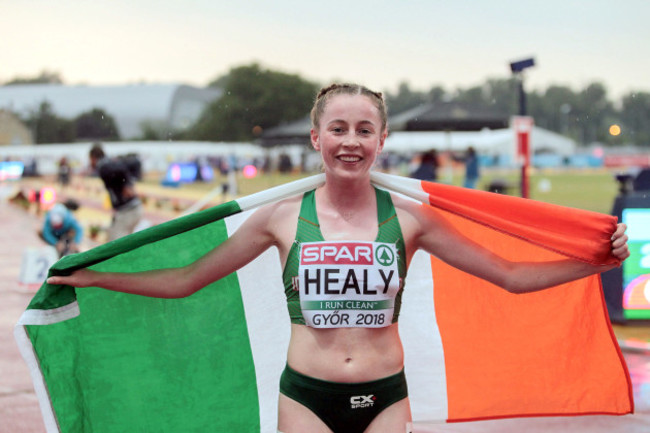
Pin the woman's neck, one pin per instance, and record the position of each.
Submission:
(347, 195)
(347, 211)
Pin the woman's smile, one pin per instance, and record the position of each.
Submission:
(349, 158)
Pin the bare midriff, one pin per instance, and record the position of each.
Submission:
(346, 354)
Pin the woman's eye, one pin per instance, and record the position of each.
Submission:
(365, 131)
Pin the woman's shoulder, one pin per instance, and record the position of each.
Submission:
(279, 208)
(278, 214)
(413, 216)
(404, 204)
(285, 205)
(280, 220)
(408, 213)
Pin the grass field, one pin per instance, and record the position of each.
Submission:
(590, 189)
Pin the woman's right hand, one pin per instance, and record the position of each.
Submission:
(79, 278)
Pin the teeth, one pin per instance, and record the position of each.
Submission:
(350, 158)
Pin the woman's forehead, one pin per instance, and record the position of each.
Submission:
(351, 105)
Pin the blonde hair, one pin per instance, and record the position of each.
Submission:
(326, 93)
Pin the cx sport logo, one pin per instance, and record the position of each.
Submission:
(361, 401)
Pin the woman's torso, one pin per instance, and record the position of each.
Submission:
(341, 354)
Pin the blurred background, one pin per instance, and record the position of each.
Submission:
(553, 98)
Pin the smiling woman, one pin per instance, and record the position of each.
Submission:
(351, 132)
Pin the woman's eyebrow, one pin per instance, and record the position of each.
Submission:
(362, 122)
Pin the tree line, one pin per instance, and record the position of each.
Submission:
(47, 127)
(256, 99)
(585, 115)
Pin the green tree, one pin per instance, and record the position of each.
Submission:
(635, 118)
(436, 94)
(96, 124)
(151, 131)
(554, 109)
(45, 77)
(404, 99)
(254, 99)
(47, 127)
(596, 109)
(471, 96)
(501, 95)
(497, 95)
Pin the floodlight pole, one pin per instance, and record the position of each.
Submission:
(522, 95)
(523, 138)
(523, 141)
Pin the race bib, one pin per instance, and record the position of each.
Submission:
(348, 284)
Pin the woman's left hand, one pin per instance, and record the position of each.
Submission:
(619, 243)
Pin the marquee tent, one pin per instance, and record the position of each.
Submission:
(498, 142)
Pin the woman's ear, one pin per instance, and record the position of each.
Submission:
(314, 139)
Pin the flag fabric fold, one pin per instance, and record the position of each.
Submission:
(103, 361)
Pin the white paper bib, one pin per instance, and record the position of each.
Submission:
(348, 284)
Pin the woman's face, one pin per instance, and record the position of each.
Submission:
(349, 136)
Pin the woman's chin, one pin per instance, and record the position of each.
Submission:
(351, 168)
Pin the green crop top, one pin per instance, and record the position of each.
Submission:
(364, 279)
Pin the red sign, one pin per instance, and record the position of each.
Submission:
(523, 127)
(337, 253)
(627, 161)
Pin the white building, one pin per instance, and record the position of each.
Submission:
(164, 107)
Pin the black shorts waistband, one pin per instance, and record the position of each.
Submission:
(297, 378)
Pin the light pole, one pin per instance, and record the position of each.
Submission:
(517, 69)
(523, 135)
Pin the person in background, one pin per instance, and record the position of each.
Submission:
(62, 230)
(120, 184)
(427, 170)
(64, 172)
(471, 168)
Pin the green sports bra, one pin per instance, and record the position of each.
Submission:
(389, 242)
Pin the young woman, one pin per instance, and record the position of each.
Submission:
(344, 374)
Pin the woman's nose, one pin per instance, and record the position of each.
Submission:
(350, 140)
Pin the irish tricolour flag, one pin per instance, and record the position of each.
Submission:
(108, 362)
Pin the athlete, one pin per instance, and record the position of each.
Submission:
(344, 371)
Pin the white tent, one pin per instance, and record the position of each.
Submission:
(497, 142)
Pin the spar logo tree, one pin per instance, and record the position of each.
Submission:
(384, 255)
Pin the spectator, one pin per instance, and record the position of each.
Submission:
(62, 230)
(120, 184)
(427, 170)
(64, 172)
(472, 172)
(285, 165)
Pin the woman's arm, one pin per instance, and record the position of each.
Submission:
(47, 232)
(249, 241)
(436, 236)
